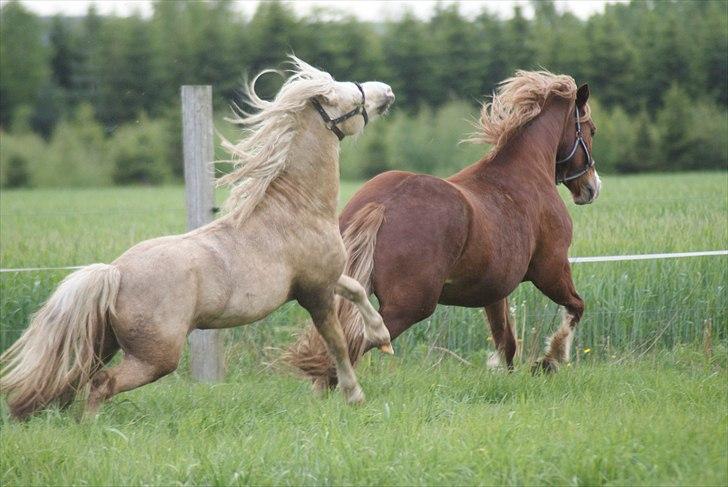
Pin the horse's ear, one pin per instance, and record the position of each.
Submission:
(582, 95)
(327, 99)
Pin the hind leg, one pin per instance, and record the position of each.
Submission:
(108, 350)
(501, 328)
(560, 289)
(142, 364)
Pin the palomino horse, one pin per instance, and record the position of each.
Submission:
(279, 241)
(469, 240)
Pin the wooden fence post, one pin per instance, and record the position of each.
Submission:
(206, 351)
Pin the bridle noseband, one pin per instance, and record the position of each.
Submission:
(579, 142)
(331, 124)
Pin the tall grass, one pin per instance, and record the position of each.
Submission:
(431, 421)
(630, 305)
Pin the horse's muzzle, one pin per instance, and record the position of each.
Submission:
(381, 109)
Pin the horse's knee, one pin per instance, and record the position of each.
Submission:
(101, 380)
(102, 388)
(354, 292)
(576, 309)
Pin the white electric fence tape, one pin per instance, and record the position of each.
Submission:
(573, 260)
(621, 258)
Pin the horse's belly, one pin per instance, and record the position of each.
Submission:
(476, 294)
(252, 299)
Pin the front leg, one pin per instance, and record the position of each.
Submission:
(556, 283)
(324, 318)
(375, 333)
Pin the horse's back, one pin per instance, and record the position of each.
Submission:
(424, 229)
(408, 196)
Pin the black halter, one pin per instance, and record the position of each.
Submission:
(579, 142)
(331, 124)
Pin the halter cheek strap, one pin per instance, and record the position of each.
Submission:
(579, 142)
(332, 123)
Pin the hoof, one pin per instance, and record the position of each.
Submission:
(323, 384)
(545, 366)
(355, 396)
(494, 361)
(320, 386)
(387, 349)
(378, 337)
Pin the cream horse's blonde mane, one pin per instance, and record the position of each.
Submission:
(261, 155)
(517, 101)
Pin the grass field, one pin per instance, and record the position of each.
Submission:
(630, 305)
(659, 420)
(644, 402)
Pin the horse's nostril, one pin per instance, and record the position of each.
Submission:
(590, 192)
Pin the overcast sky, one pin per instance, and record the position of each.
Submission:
(363, 9)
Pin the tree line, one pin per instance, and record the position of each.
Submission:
(658, 73)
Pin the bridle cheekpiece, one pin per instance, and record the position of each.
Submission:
(579, 142)
(332, 123)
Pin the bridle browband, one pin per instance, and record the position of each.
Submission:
(331, 124)
(579, 142)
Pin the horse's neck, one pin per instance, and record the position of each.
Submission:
(531, 152)
(310, 182)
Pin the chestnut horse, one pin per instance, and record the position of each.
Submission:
(416, 240)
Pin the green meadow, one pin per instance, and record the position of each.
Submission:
(643, 402)
(630, 305)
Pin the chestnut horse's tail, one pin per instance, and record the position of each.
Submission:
(61, 348)
(308, 354)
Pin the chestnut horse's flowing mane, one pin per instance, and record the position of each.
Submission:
(261, 155)
(517, 101)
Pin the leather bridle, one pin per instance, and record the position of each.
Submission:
(332, 123)
(579, 142)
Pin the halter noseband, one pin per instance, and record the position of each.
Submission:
(579, 142)
(331, 124)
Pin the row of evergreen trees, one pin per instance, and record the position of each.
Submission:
(658, 71)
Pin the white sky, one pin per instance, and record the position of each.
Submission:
(364, 9)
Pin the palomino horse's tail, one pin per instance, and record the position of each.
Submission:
(59, 351)
(308, 354)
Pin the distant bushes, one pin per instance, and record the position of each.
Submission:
(140, 153)
(79, 153)
(684, 135)
(428, 141)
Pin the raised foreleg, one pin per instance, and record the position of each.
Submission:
(375, 333)
(559, 287)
